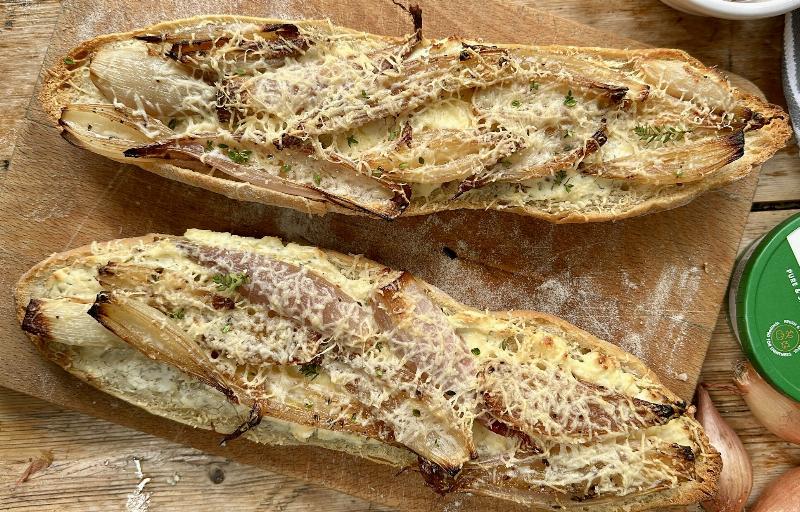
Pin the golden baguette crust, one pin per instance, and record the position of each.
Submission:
(707, 461)
(760, 144)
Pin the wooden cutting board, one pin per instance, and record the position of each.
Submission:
(652, 285)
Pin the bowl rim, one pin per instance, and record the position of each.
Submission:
(763, 8)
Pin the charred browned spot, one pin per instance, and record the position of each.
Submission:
(415, 11)
(220, 302)
(287, 30)
(662, 410)
(736, 141)
(684, 451)
(405, 136)
(150, 38)
(442, 480)
(290, 141)
(33, 322)
(591, 493)
(252, 421)
(503, 429)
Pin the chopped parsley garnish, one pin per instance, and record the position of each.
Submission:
(239, 156)
(403, 165)
(286, 167)
(378, 172)
(504, 344)
(230, 282)
(227, 328)
(310, 370)
(662, 134)
(516, 104)
(379, 346)
(421, 161)
(240, 71)
(364, 94)
(568, 133)
(351, 140)
(569, 100)
(209, 145)
(416, 412)
(177, 314)
(379, 372)
(69, 61)
(223, 145)
(534, 86)
(317, 179)
(394, 133)
(476, 351)
(560, 178)
(309, 405)
(172, 123)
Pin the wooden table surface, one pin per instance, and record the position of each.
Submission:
(94, 462)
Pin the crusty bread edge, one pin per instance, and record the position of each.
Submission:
(708, 465)
(760, 145)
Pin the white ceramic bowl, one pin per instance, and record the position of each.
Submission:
(734, 10)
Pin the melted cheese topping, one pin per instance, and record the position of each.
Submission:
(428, 113)
(373, 389)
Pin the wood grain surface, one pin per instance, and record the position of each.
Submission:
(253, 488)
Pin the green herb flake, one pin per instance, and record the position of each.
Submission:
(227, 327)
(239, 156)
(504, 344)
(223, 146)
(421, 161)
(178, 314)
(310, 370)
(286, 168)
(505, 162)
(379, 372)
(351, 140)
(317, 179)
(678, 174)
(403, 165)
(230, 282)
(379, 346)
(172, 123)
(209, 146)
(309, 405)
(516, 104)
(568, 186)
(394, 133)
(661, 134)
(569, 100)
(241, 71)
(559, 176)
(568, 133)
(416, 412)
(534, 86)
(476, 351)
(69, 61)
(364, 94)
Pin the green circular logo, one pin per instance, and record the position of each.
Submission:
(783, 338)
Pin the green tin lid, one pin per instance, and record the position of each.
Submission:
(766, 289)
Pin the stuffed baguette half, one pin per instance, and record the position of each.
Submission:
(317, 117)
(288, 344)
